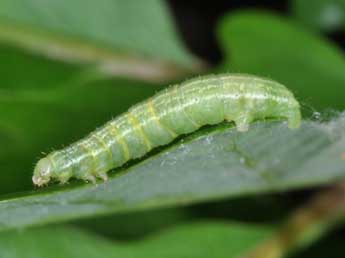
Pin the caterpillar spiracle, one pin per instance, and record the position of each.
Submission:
(179, 109)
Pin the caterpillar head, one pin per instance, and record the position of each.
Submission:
(43, 172)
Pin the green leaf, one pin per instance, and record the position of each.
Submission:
(216, 163)
(272, 46)
(22, 71)
(196, 240)
(136, 225)
(127, 38)
(325, 15)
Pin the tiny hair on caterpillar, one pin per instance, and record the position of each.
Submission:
(176, 110)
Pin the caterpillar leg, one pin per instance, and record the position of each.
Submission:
(102, 175)
(90, 178)
(63, 178)
(242, 122)
(294, 119)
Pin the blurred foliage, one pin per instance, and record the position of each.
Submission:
(332, 246)
(119, 25)
(135, 225)
(69, 66)
(324, 15)
(194, 240)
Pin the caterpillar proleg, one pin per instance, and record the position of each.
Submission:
(177, 110)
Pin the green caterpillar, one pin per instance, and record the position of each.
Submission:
(177, 110)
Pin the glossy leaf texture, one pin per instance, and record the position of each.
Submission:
(212, 164)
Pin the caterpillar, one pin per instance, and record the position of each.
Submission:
(177, 110)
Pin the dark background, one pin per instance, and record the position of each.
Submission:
(197, 20)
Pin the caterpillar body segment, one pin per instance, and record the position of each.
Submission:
(177, 110)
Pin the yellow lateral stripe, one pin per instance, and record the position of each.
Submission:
(139, 128)
(88, 150)
(153, 112)
(184, 111)
(106, 147)
(122, 141)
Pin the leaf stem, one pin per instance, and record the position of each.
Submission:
(306, 225)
